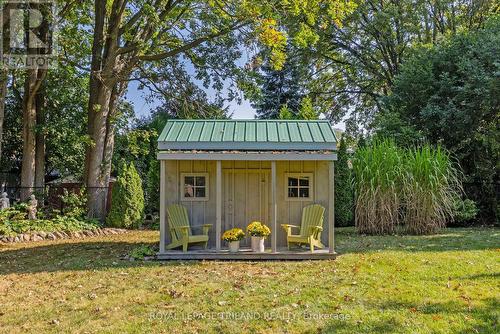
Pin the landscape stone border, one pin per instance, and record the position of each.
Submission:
(57, 235)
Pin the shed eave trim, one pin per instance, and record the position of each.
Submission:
(164, 145)
(304, 156)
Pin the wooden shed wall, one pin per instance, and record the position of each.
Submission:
(248, 185)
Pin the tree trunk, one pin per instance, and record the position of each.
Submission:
(34, 78)
(40, 142)
(29, 140)
(96, 178)
(104, 94)
(3, 93)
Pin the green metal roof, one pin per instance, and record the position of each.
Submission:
(258, 135)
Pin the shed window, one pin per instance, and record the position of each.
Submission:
(299, 186)
(194, 187)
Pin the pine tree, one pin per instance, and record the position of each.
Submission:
(344, 194)
(285, 112)
(127, 200)
(306, 110)
(283, 87)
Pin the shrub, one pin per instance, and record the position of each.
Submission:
(344, 194)
(74, 203)
(127, 200)
(464, 211)
(139, 252)
(153, 187)
(13, 221)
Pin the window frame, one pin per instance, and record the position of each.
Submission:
(311, 187)
(194, 199)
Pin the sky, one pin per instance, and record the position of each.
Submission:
(143, 108)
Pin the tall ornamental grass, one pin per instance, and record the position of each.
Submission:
(377, 178)
(430, 186)
(414, 188)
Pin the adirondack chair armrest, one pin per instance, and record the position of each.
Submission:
(285, 226)
(288, 228)
(315, 231)
(206, 228)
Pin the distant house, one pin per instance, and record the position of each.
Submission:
(229, 173)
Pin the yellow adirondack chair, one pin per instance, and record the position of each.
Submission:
(310, 228)
(180, 231)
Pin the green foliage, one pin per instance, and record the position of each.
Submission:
(358, 63)
(153, 187)
(74, 203)
(285, 113)
(412, 187)
(134, 145)
(306, 109)
(448, 94)
(283, 88)
(14, 221)
(142, 251)
(344, 192)
(464, 211)
(14, 213)
(127, 202)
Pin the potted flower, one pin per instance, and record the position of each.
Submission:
(233, 237)
(259, 232)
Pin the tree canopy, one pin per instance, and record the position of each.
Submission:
(449, 94)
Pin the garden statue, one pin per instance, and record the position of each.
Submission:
(32, 204)
(4, 202)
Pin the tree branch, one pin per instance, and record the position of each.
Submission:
(190, 45)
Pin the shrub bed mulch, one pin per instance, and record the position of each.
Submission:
(40, 235)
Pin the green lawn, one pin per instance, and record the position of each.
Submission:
(447, 283)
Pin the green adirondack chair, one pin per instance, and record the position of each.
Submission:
(310, 228)
(180, 231)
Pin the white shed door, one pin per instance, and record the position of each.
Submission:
(246, 196)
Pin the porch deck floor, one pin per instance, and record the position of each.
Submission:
(246, 254)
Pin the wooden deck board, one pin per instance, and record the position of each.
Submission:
(246, 254)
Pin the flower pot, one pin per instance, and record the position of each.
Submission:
(234, 246)
(258, 244)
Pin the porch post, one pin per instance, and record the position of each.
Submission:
(331, 208)
(163, 222)
(218, 203)
(274, 211)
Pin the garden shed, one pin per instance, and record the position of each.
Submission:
(228, 173)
